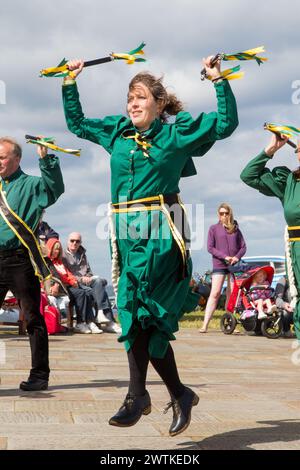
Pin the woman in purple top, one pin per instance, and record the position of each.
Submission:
(226, 244)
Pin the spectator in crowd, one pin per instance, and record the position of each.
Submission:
(63, 281)
(261, 294)
(226, 244)
(44, 232)
(76, 261)
(283, 302)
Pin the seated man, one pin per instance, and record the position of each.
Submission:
(76, 261)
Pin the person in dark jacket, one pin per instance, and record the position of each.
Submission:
(45, 232)
(226, 244)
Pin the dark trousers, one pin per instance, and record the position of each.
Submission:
(101, 297)
(17, 275)
(83, 300)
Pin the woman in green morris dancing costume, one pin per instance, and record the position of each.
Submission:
(148, 158)
(283, 183)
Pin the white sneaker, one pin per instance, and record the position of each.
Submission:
(82, 328)
(94, 328)
(112, 327)
(262, 315)
(101, 318)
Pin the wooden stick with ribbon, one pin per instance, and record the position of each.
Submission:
(49, 142)
(130, 57)
(288, 131)
(250, 54)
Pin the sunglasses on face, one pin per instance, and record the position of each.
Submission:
(75, 241)
(223, 213)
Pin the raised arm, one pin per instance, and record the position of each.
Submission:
(50, 185)
(100, 131)
(257, 176)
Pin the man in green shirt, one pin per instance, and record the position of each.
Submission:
(22, 200)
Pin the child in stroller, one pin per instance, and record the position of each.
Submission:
(261, 293)
(247, 306)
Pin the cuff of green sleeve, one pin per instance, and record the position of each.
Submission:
(265, 155)
(49, 160)
(69, 81)
(222, 82)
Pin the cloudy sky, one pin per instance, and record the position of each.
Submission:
(38, 34)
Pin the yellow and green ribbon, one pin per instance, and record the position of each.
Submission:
(250, 54)
(230, 74)
(289, 131)
(49, 143)
(130, 56)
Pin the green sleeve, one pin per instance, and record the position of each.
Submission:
(269, 183)
(101, 131)
(198, 135)
(50, 185)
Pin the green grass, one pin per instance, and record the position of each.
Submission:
(195, 319)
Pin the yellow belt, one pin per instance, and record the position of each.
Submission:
(158, 203)
(294, 233)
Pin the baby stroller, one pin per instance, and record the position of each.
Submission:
(241, 309)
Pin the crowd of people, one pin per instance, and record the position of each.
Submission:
(72, 280)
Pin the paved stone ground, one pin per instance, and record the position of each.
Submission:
(249, 390)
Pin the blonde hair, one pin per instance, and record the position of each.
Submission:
(231, 225)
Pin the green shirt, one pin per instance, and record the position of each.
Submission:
(278, 182)
(28, 195)
(132, 174)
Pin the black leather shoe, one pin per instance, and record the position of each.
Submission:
(182, 408)
(34, 385)
(131, 410)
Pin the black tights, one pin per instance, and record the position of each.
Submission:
(138, 358)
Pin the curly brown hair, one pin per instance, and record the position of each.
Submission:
(171, 105)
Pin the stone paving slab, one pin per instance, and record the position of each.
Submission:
(249, 390)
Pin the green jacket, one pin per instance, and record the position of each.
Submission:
(132, 174)
(29, 195)
(278, 182)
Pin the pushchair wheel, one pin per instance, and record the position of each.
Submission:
(272, 327)
(228, 323)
